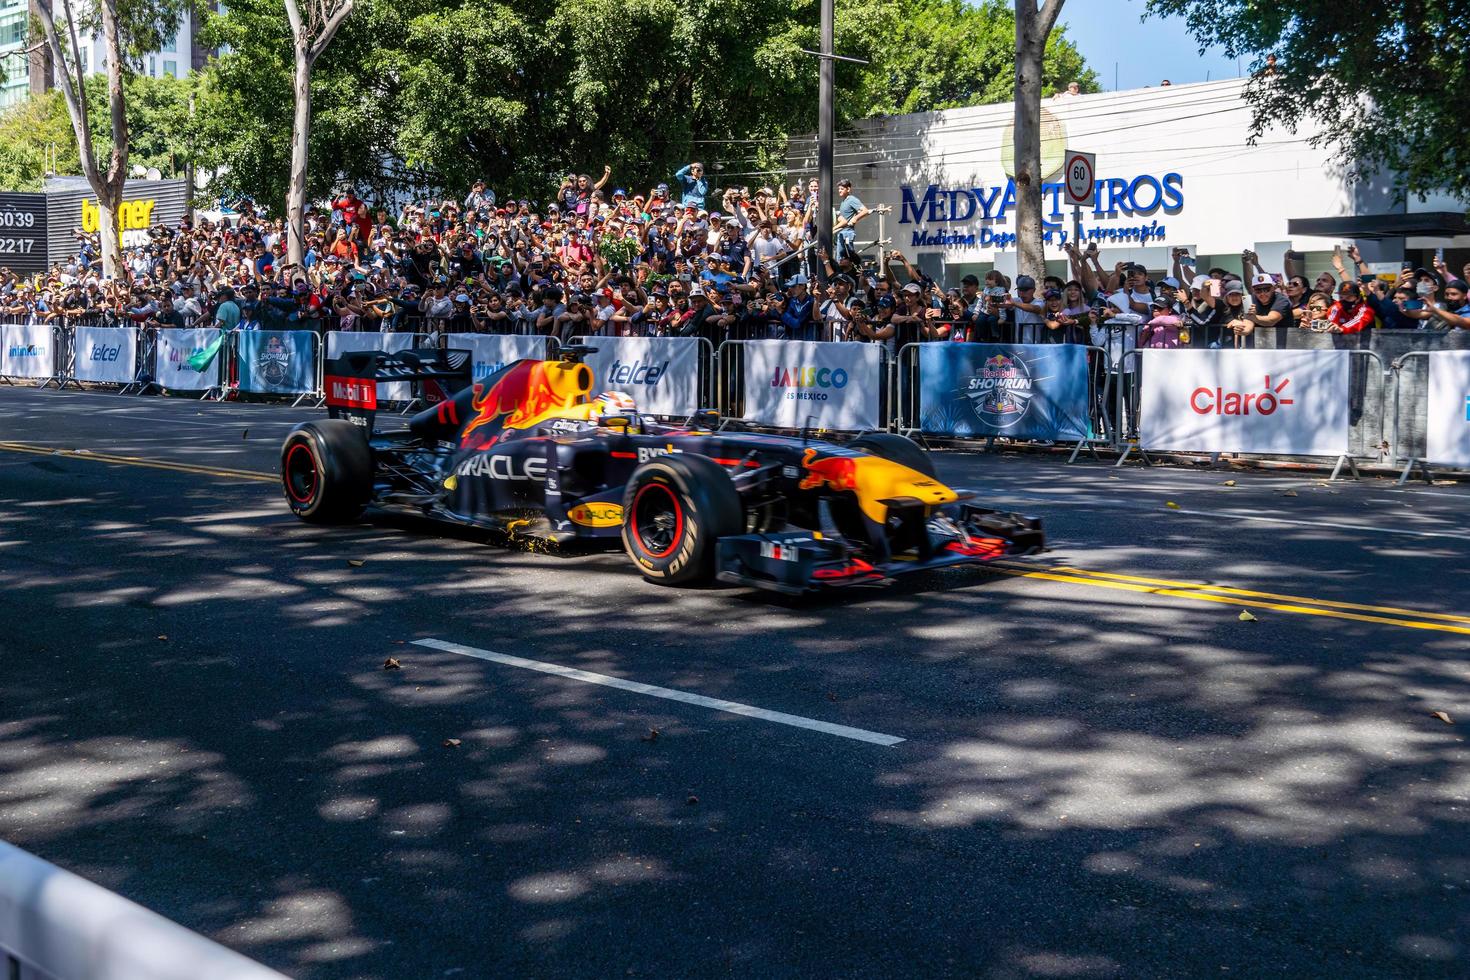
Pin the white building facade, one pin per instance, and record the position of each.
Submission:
(1175, 168)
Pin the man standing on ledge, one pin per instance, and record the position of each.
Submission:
(693, 188)
(849, 213)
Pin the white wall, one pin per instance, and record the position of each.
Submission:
(1234, 195)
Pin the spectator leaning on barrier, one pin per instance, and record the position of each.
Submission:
(1161, 332)
(1268, 307)
(1026, 311)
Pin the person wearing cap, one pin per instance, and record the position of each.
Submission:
(1203, 322)
(227, 313)
(1269, 308)
(1060, 326)
(1239, 331)
(1161, 332)
(693, 188)
(850, 210)
(1027, 313)
(1349, 314)
(798, 320)
(1455, 311)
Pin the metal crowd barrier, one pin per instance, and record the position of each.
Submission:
(1371, 445)
(730, 383)
(55, 925)
(1412, 447)
(705, 364)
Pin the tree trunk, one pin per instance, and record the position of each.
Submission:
(1032, 29)
(300, 133)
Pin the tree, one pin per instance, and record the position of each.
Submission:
(310, 36)
(1386, 79)
(542, 88)
(128, 29)
(1033, 27)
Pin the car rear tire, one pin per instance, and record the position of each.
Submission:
(327, 471)
(896, 449)
(675, 510)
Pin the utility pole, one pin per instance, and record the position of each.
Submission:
(826, 116)
(825, 125)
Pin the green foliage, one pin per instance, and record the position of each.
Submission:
(1387, 78)
(158, 121)
(524, 94)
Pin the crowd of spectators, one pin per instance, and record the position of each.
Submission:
(600, 260)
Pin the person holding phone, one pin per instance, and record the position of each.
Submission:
(1454, 313)
(1349, 314)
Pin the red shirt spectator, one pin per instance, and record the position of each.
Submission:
(355, 214)
(1350, 314)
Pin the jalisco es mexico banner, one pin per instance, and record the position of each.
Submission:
(1292, 402)
(661, 373)
(1020, 391)
(106, 354)
(1447, 437)
(792, 383)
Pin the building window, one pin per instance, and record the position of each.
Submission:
(171, 69)
(152, 67)
(84, 56)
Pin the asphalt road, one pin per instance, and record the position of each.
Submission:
(1104, 771)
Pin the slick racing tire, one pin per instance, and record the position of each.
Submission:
(326, 471)
(675, 510)
(896, 449)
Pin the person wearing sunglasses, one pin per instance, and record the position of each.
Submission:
(1268, 308)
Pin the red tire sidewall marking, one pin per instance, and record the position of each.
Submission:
(678, 520)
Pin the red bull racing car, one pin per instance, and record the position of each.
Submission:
(531, 451)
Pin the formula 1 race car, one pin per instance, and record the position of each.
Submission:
(530, 451)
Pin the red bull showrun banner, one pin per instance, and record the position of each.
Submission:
(276, 362)
(1012, 390)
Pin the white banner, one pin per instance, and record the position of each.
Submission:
(175, 347)
(106, 354)
(1447, 436)
(1291, 402)
(391, 391)
(491, 352)
(661, 373)
(793, 383)
(28, 351)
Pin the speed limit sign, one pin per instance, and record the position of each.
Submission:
(1079, 174)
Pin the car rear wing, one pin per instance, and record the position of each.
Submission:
(350, 382)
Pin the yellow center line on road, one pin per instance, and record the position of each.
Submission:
(1202, 592)
(156, 464)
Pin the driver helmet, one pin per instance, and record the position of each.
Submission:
(615, 403)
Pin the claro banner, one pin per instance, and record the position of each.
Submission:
(1021, 391)
(1291, 402)
(661, 373)
(1448, 433)
(388, 391)
(792, 383)
(106, 354)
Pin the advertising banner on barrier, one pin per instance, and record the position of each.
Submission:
(28, 351)
(491, 352)
(1288, 402)
(1447, 436)
(276, 362)
(390, 391)
(106, 354)
(661, 373)
(793, 383)
(177, 348)
(1019, 391)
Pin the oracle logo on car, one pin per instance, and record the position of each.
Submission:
(1218, 401)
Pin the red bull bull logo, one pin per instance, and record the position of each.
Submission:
(526, 393)
(837, 472)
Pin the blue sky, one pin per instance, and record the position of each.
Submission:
(1108, 33)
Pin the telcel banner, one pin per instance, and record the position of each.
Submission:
(1036, 391)
(175, 347)
(276, 362)
(793, 383)
(491, 352)
(390, 391)
(661, 373)
(1447, 437)
(106, 354)
(1291, 402)
(27, 351)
